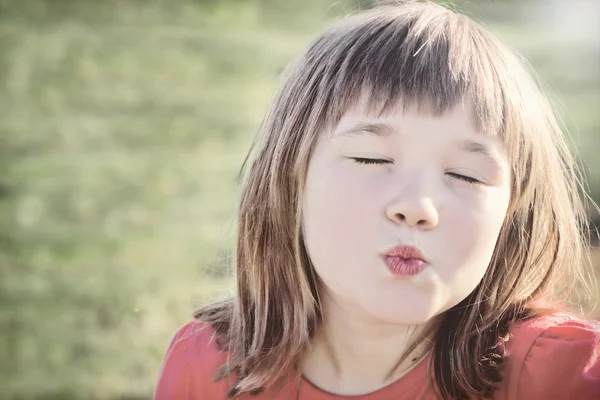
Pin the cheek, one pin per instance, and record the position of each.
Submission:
(338, 218)
(473, 225)
(336, 201)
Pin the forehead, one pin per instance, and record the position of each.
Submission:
(381, 120)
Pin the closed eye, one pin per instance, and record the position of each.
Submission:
(464, 178)
(370, 161)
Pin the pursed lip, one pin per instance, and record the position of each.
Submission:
(406, 252)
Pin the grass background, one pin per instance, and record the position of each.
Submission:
(123, 124)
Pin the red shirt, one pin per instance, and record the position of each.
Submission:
(552, 357)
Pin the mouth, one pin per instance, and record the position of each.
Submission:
(405, 261)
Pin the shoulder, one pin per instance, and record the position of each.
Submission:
(190, 363)
(554, 356)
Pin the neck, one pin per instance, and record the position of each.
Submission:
(353, 354)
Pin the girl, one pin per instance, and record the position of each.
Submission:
(405, 227)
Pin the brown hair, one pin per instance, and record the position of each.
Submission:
(421, 54)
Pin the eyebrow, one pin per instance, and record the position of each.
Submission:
(478, 148)
(380, 130)
(471, 146)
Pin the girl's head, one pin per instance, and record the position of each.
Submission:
(407, 125)
(406, 176)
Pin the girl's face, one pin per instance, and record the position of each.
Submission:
(405, 178)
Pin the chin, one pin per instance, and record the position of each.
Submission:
(410, 315)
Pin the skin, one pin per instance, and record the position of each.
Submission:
(418, 188)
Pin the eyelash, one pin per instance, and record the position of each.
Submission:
(371, 161)
(376, 161)
(467, 179)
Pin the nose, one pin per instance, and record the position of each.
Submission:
(413, 208)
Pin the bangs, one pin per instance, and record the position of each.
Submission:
(428, 57)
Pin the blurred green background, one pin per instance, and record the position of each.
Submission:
(123, 125)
